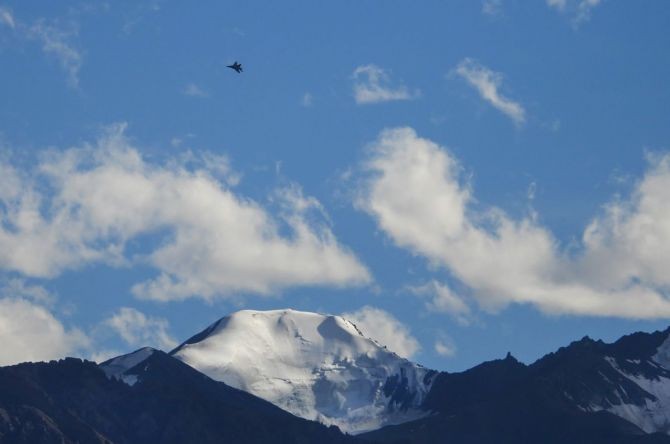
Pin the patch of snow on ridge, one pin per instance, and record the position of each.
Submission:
(662, 356)
(117, 367)
(654, 414)
(315, 366)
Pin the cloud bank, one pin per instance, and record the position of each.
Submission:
(414, 190)
(86, 204)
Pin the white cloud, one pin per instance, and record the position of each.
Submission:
(381, 326)
(6, 18)
(487, 83)
(558, 4)
(553, 125)
(141, 10)
(19, 288)
(580, 10)
(444, 347)
(139, 330)
(492, 8)
(372, 84)
(104, 354)
(443, 300)
(584, 10)
(193, 90)
(83, 205)
(531, 191)
(415, 192)
(29, 332)
(57, 42)
(307, 100)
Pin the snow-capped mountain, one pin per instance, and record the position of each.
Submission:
(630, 378)
(315, 366)
(321, 367)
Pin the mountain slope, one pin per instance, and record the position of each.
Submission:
(169, 402)
(588, 392)
(315, 366)
(629, 378)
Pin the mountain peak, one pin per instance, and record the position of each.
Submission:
(120, 366)
(314, 365)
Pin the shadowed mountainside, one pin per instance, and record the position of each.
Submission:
(72, 401)
(588, 392)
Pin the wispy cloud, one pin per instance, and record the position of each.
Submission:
(56, 41)
(193, 90)
(372, 84)
(487, 83)
(417, 196)
(442, 299)
(492, 8)
(139, 12)
(443, 349)
(6, 17)
(444, 346)
(307, 100)
(558, 4)
(580, 10)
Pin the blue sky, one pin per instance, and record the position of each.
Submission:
(462, 178)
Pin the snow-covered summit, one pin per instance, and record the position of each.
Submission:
(316, 366)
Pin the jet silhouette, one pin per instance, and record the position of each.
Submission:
(236, 66)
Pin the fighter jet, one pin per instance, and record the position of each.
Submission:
(236, 66)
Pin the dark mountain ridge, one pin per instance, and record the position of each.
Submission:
(563, 397)
(71, 400)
